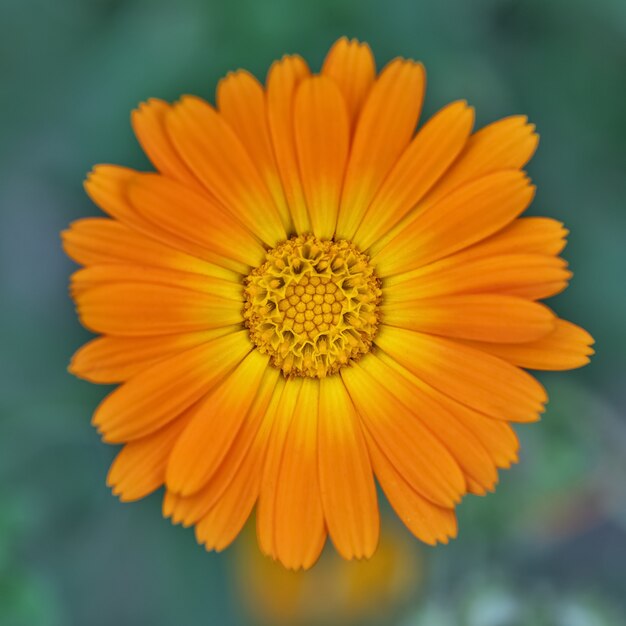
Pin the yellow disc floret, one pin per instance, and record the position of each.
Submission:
(313, 305)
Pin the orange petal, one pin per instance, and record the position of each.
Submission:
(99, 241)
(518, 260)
(191, 216)
(459, 220)
(540, 291)
(116, 359)
(98, 275)
(188, 510)
(351, 65)
(428, 522)
(420, 457)
(217, 157)
(322, 137)
(221, 525)
(480, 317)
(160, 393)
(525, 235)
(108, 185)
(503, 145)
(282, 81)
(139, 468)
(272, 432)
(241, 101)
(384, 130)
(567, 347)
(506, 144)
(472, 377)
(345, 473)
(426, 159)
(459, 440)
(224, 521)
(214, 426)
(139, 309)
(290, 405)
(148, 121)
(300, 533)
(495, 436)
(505, 274)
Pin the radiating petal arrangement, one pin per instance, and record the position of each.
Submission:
(311, 295)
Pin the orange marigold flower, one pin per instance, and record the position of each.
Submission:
(308, 294)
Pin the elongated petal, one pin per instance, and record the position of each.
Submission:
(217, 157)
(116, 359)
(299, 524)
(496, 436)
(483, 317)
(428, 522)
(191, 216)
(460, 441)
(290, 481)
(567, 347)
(416, 453)
(274, 427)
(351, 65)
(162, 392)
(138, 309)
(346, 480)
(221, 525)
(206, 441)
(459, 220)
(425, 160)
(477, 379)
(139, 468)
(99, 241)
(525, 235)
(506, 144)
(190, 509)
(108, 186)
(384, 129)
(148, 122)
(322, 135)
(282, 82)
(241, 101)
(98, 275)
(504, 274)
(518, 260)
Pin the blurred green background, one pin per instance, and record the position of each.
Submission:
(549, 548)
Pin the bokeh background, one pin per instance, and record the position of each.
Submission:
(548, 549)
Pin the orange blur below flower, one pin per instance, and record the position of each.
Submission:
(336, 591)
(309, 294)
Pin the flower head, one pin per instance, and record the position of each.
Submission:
(308, 294)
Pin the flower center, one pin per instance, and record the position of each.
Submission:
(312, 306)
